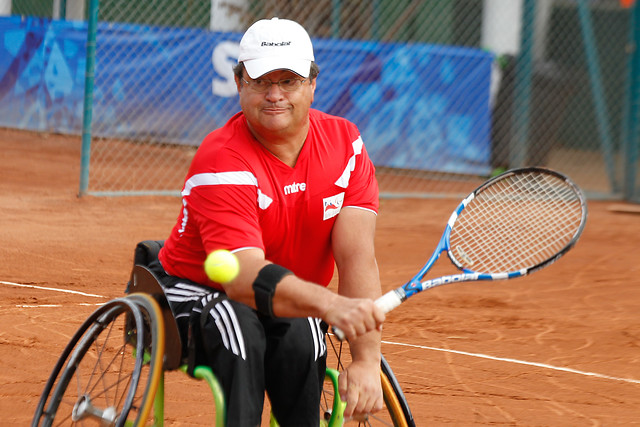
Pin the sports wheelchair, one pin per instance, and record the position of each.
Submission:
(111, 373)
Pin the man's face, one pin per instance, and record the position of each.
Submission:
(276, 113)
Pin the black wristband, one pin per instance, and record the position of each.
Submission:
(265, 286)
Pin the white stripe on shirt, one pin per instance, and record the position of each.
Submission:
(343, 181)
(223, 178)
(220, 178)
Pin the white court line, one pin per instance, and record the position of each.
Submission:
(521, 362)
(52, 289)
(464, 353)
(56, 305)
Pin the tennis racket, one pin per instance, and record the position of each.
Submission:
(512, 225)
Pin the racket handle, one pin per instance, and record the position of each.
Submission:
(386, 302)
(338, 333)
(390, 300)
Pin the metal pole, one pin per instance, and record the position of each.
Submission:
(335, 18)
(631, 127)
(597, 91)
(522, 91)
(88, 96)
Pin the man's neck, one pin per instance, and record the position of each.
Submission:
(285, 146)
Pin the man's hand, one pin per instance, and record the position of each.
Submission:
(354, 316)
(359, 386)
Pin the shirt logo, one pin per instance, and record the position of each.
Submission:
(332, 206)
(294, 188)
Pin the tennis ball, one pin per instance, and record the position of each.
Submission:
(221, 266)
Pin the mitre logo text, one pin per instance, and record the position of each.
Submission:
(294, 188)
(276, 44)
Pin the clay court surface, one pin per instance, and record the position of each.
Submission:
(559, 348)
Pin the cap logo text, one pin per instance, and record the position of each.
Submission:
(276, 44)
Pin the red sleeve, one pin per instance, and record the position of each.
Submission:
(228, 207)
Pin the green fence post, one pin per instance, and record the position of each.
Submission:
(336, 11)
(595, 77)
(63, 10)
(522, 89)
(630, 128)
(88, 96)
(375, 30)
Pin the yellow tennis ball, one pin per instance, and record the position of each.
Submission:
(221, 266)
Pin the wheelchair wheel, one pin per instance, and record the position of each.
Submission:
(109, 372)
(396, 410)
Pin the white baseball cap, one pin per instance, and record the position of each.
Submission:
(276, 44)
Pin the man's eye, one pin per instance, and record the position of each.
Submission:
(260, 83)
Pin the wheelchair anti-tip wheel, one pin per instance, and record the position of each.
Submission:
(109, 372)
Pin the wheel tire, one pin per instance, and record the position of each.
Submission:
(106, 372)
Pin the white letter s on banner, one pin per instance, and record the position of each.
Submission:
(223, 59)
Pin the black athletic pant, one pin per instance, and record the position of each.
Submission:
(250, 353)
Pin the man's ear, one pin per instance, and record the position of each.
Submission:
(313, 88)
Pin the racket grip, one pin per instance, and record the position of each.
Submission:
(386, 302)
(338, 333)
(390, 300)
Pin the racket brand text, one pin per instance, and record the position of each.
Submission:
(415, 287)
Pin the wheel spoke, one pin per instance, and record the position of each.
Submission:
(99, 375)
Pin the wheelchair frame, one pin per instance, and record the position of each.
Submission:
(151, 337)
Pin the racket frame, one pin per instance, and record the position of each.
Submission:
(397, 296)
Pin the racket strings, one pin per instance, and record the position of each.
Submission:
(516, 223)
(529, 239)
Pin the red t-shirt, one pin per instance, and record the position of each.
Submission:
(238, 195)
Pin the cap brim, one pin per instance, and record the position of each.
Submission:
(259, 67)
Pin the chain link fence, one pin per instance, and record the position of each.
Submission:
(445, 92)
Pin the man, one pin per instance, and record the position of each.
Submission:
(289, 190)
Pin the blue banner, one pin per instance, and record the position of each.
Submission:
(418, 106)
(41, 74)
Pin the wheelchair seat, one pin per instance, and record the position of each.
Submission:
(143, 280)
